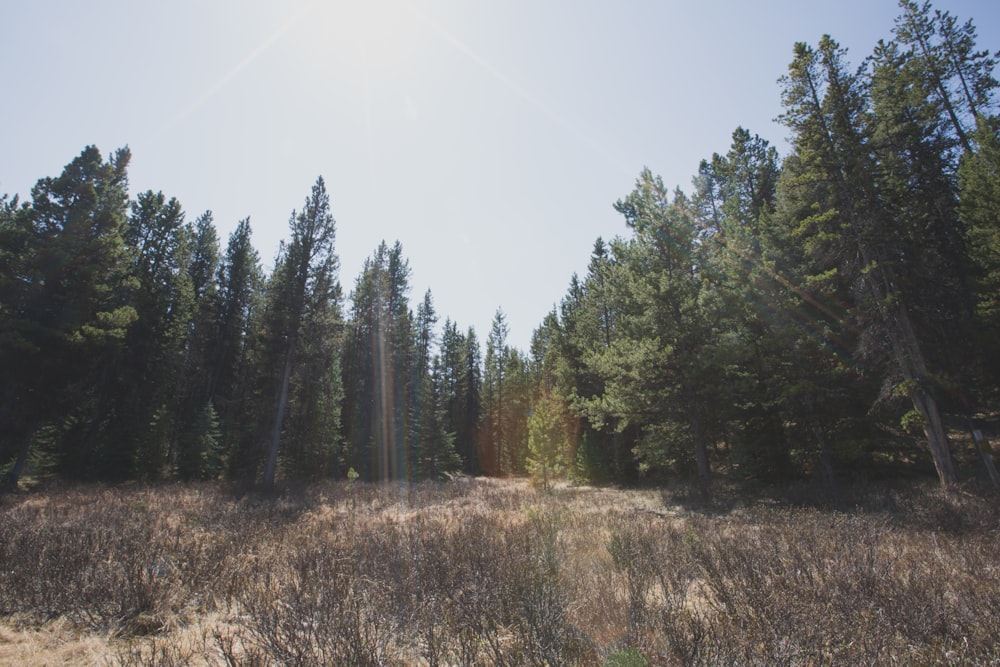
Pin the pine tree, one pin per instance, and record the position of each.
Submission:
(548, 442)
(378, 367)
(849, 237)
(495, 440)
(941, 108)
(301, 322)
(588, 326)
(735, 198)
(469, 408)
(432, 438)
(450, 364)
(980, 210)
(65, 301)
(657, 372)
(197, 378)
(148, 384)
(234, 394)
(958, 78)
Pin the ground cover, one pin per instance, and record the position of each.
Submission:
(495, 572)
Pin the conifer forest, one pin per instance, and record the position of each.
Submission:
(827, 313)
(758, 430)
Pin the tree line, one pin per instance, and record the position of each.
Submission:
(134, 347)
(835, 311)
(818, 314)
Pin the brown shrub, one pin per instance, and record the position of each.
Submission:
(489, 572)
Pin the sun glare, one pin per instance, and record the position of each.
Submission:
(368, 38)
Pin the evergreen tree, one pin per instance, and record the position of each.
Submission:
(980, 210)
(849, 235)
(198, 439)
(957, 78)
(302, 324)
(587, 327)
(735, 197)
(148, 376)
(65, 303)
(378, 367)
(450, 366)
(235, 396)
(468, 408)
(548, 442)
(941, 108)
(495, 441)
(435, 443)
(432, 446)
(657, 373)
(519, 392)
(313, 428)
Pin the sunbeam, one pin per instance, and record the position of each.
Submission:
(223, 81)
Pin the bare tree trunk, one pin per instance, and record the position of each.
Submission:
(936, 438)
(14, 474)
(914, 368)
(983, 449)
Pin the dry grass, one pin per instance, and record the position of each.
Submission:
(495, 573)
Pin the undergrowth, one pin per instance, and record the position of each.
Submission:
(496, 573)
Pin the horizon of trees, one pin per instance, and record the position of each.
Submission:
(832, 312)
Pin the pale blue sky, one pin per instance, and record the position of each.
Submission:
(491, 139)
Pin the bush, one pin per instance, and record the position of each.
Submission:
(496, 573)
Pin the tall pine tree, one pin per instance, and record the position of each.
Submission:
(301, 341)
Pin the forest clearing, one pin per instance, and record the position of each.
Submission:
(496, 572)
(757, 426)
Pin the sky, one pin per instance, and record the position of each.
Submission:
(491, 139)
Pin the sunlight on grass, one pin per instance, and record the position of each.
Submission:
(492, 572)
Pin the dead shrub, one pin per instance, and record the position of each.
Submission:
(494, 573)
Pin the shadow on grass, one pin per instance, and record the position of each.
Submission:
(914, 501)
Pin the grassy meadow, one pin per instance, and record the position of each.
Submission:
(495, 572)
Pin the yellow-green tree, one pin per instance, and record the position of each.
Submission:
(548, 441)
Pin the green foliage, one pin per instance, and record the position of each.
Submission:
(233, 351)
(64, 269)
(300, 352)
(979, 207)
(200, 454)
(626, 658)
(588, 463)
(783, 319)
(870, 193)
(458, 375)
(913, 422)
(379, 368)
(548, 442)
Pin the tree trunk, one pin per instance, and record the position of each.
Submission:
(934, 70)
(279, 418)
(825, 459)
(911, 361)
(14, 474)
(700, 450)
(936, 438)
(698, 434)
(617, 462)
(983, 449)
